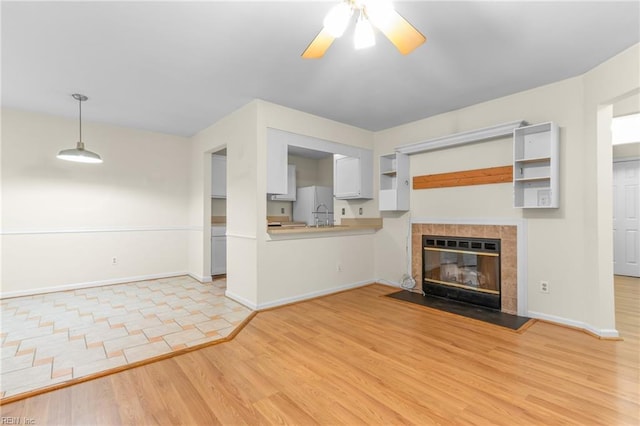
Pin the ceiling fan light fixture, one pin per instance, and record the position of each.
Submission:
(379, 12)
(363, 36)
(337, 20)
(79, 154)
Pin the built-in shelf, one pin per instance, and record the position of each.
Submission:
(394, 182)
(535, 166)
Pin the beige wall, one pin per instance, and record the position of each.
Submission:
(236, 132)
(563, 244)
(294, 269)
(63, 222)
(625, 106)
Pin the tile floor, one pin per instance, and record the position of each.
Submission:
(51, 338)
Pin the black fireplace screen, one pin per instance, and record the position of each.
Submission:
(466, 269)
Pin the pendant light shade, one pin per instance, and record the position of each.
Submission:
(79, 154)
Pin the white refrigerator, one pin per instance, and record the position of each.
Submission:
(308, 198)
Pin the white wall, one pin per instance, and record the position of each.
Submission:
(63, 222)
(563, 244)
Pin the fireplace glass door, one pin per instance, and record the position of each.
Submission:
(466, 269)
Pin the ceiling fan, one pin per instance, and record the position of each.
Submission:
(379, 13)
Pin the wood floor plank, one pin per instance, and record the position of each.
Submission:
(359, 358)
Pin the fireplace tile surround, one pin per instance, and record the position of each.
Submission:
(508, 257)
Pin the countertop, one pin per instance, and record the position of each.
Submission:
(347, 225)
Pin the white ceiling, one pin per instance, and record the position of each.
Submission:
(178, 67)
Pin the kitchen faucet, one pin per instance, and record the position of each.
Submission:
(326, 214)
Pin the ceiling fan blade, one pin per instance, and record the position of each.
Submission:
(318, 46)
(400, 32)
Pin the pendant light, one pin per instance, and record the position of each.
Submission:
(79, 154)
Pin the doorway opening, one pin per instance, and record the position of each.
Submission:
(219, 214)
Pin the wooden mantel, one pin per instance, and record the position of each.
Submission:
(502, 174)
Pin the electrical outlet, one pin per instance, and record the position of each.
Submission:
(114, 260)
(544, 286)
(338, 268)
(360, 211)
(282, 210)
(343, 211)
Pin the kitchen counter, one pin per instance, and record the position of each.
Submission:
(347, 226)
(218, 220)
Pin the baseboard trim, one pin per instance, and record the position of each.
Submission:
(76, 286)
(202, 278)
(312, 295)
(295, 299)
(241, 300)
(605, 334)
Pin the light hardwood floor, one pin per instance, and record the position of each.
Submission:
(359, 358)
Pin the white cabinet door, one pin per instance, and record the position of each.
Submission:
(218, 176)
(218, 255)
(291, 186)
(353, 176)
(347, 183)
(277, 160)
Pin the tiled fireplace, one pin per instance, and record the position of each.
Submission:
(507, 236)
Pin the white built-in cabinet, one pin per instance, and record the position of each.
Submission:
(218, 176)
(353, 176)
(277, 162)
(218, 250)
(536, 166)
(352, 168)
(291, 186)
(394, 182)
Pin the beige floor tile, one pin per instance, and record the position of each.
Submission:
(161, 330)
(213, 325)
(16, 363)
(30, 376)
(124, 342)
(142, 324)
(105, 334)
(26, 387)
(183, 337)
(50, 338)
(70, 358)
(55, 348)
(192, 319)
(128, 317)
(98, 366)
(234, 317)
(149, 350)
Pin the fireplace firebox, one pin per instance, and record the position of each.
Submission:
(463, 269)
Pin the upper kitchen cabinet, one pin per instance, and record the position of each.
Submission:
(277, 162)
(291, 186)
(218, 176)
(352, 168)
(353, 176)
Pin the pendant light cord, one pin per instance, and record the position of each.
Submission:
(80, 126)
